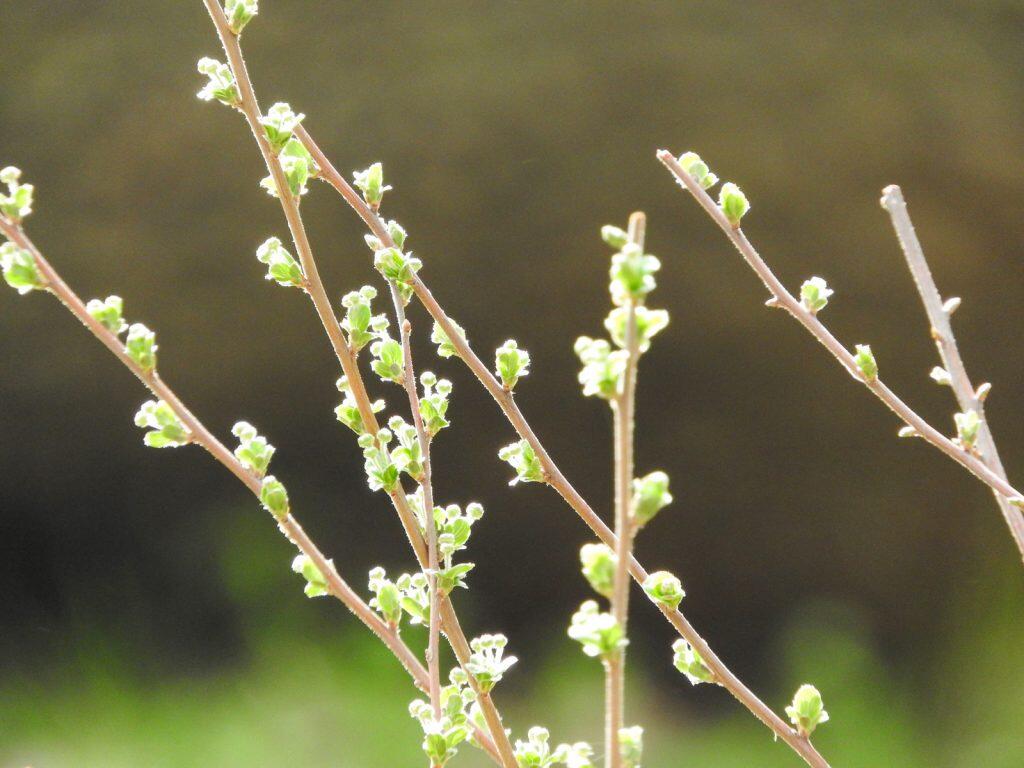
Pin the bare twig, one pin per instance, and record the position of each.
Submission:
(783, 299)
(250, 109)
(969, 398)
(552, 473)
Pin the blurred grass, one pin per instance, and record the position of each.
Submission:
(306, 698)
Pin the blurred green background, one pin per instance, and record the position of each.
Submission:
(148, 615)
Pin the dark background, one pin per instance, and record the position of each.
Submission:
(512, 132)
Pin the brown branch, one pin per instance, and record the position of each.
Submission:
(966, 395)
(250, 108)
(783, 299)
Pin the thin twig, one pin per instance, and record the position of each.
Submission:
(250, 108)
(783, 299)
(624, 407)
(552, 474)
(967, 396)
(429, 525)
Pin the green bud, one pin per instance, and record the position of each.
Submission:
(511, 363)
(733, 203)
(814, 294)
(278, 124)
(598, 633)
(445, 348)
(598, 563)
(389, 360)
(371, 183)
(455, 576)
(221, 85)
(967, 426)
(17, 203)
(865, 361)
(281, 265)
(487, 664)
(397, 234)
(359, 321)
(316, 584)
(415, 600)
(396, 265)
(166, 429)
(941, 376)
(688, 661)
(387, 600)
(631, 746)
(408, 456)
(535, 752)
(615, 237)
(603, 370)
(648, 323)
(381, 472)
(807, 711)
(664, 588)
(650, 495)
(434, 402)
(110, 313)
(240, 13)
(348, 412)
(632, 274)
(141, 347)
(698, 169)
(524, 461)
(298, 167)
(274, 497)
(253, 451)
(20, 269)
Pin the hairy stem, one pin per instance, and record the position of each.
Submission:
(553, 474)
(250, 108)
(942, 332)
(783, 299)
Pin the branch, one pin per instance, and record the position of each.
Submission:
(429, 526)
(785, 300)
(552, 474)
(969, 398)
(250, 109)
(203, 437)
(624, 408)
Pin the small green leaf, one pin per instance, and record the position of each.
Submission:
(967, 426)
(598, 565)
(688, 661)
(141, 347)
(166, 429)
(316, 584)
(278, 124)
(865, 361)
(17, 203)
(733, 203)
(598, 633)
(240, 13)
(698, 169)
(650, 495)
(221, 85)
(814, 294)
(274, 497)
(524, 461)
(445, 348)
(807, 711)
(664, 588)
(511, 363)
(371, 183)
(20, 269)
(109, 312)
(253, 451)
(281, 265)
